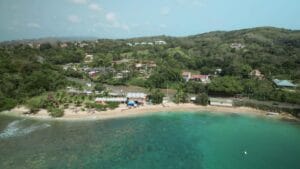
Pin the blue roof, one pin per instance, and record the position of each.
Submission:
(283, 83)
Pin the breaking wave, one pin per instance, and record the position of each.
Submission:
(17, 128)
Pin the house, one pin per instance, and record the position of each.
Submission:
(82, 45)
(139, 65)
(63, 45)
(116, 94)
(237, 46)
(139, 98)
(88, 58)
(186, 76)
(151, 65)
(87, 92)
(118, 76)
(123, 61)
(93, 73)
(218, 71)
(103, 100)
(160, 42)
(221, 102)
(256, 73)
(202, 78)
(284, 83)
(129, 44)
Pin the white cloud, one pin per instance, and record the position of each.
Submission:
(114, 22)
(95, 7)
(79, 1)
(111, 17)
(33, 25)
(73, 19)
(165, 11)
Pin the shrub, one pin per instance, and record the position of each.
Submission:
(96, 106)
(35, 103)
(7, 103)
(56, 112)
(202, 99)
(112, 105)
(156, 96)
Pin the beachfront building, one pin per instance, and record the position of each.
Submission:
(284, 83)
(221, 102)
(103, 100)
(139, 98)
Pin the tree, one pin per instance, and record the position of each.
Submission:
(181, 95)
(56, 112)
(202, 99)
(35, 103)
(99, 87)
(195, 87)
(156, 96)
(227, 85)
(7, 103)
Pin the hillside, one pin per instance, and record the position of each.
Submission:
(35, 67)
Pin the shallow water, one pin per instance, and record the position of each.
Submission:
(162, 141)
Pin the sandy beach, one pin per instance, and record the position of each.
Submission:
(76, 113)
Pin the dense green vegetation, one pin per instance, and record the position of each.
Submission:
(202, 99)
(29, 71)
(156, 96)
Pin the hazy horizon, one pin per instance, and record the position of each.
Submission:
(33, 19)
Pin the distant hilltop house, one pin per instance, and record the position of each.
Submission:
(30, 45)
(83, 45)
(88, 58)
(187, 76)
(123, 61)
(284, 83)
(218, 71)
(92, 72)
(237, 46)
(256, 73)
(72, 66)
(145, 65)
(158, 42)
(202, 78)
(63, 45)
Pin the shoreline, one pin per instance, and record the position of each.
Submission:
(76, 114)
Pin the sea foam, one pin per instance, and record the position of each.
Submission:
(18, 128)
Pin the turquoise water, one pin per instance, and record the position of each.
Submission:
(164, 141)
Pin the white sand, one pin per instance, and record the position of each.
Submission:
(123, 111)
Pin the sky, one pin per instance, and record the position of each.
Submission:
(28, 19)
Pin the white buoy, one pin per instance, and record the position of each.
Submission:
(245, 152)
